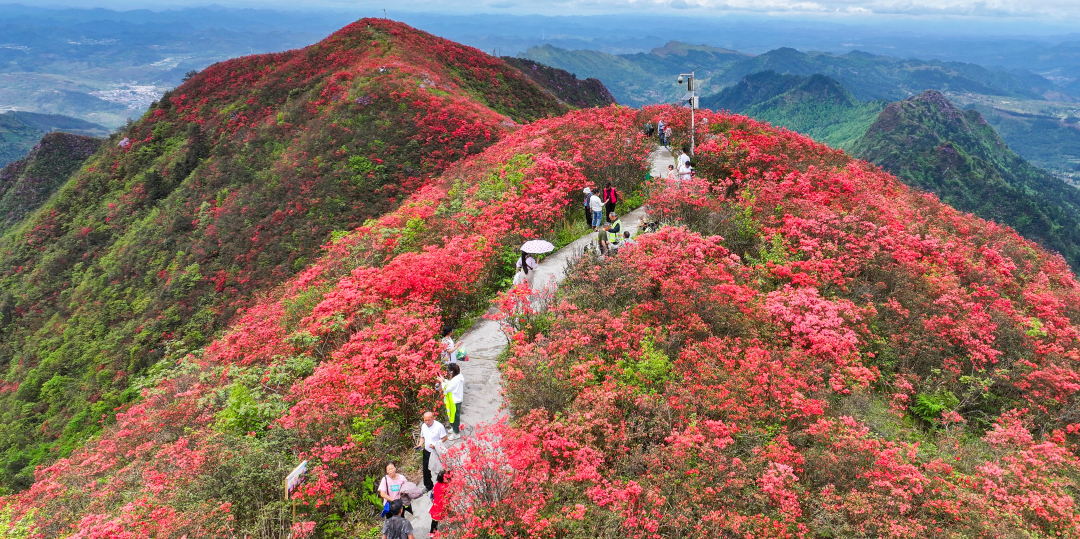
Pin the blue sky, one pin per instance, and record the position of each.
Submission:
(999, 16)
(990, 8)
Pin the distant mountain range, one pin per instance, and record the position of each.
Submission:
(817, 106)
(928, 142)
(643, 78)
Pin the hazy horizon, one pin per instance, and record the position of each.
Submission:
(948, 17)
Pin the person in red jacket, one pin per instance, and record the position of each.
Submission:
(438, 501)
(611, 196)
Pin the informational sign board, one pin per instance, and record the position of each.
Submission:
(295, 478)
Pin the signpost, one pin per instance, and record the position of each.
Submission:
(295, 478)
(292, 481)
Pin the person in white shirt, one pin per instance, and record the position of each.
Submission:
(685, 172)
(455, 387)
(683, 158)
(526, 269)
(431, 432)
(671, 174)
(597, 207)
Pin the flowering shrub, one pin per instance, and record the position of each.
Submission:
(335, 365)
(806, 349)
(227, 187)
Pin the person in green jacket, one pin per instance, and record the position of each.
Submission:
(602, 240)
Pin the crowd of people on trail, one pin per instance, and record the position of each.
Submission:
(396, 491)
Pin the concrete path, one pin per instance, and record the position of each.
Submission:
(485, 340)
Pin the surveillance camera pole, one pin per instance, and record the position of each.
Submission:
(691, 96)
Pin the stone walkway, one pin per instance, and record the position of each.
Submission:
(485, 340)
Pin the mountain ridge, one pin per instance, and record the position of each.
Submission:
(933, 145)
(224, 188)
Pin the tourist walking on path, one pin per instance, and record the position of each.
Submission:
(390, 486)
(684, 158)
(526, 269)
(449, 352)
(588, 210)
(611, 197)
(438, 501)
(397, 527)
(597, 207)
(431, 433)
(667, 136)
(453, 393)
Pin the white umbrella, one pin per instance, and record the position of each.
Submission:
(537, 246)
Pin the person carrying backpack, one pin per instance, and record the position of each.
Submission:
(611, 197)
(396, 527)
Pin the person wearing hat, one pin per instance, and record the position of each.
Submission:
(588, 211)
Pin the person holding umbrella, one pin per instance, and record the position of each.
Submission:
(526, 265)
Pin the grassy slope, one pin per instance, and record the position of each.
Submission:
(225, 188)
(20, 131)
(26, 184)
(932, 145)
(563, 85)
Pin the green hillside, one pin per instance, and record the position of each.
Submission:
(564, 85)
(27, 183)
(816, 106)
(933, 145)
(1046, 141)
(20, 131)
(227, 186)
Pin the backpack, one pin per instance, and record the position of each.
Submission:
(461, 354)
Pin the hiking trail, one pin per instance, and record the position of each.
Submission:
(483, 403)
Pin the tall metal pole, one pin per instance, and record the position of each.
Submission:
(692, 98)
(692, 125)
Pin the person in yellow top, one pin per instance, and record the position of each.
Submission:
(615, 230)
